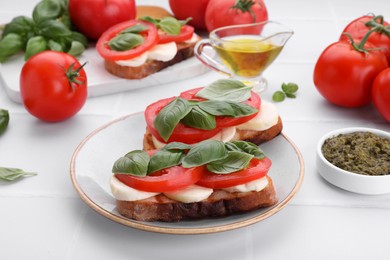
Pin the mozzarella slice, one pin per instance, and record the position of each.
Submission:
(163, 52)
(123, 192)
(256, 185)
(192, 193)
(135, 62)
(267, 117)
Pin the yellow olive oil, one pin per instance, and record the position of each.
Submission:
(247, 56)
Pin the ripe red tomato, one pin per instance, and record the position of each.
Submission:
(344, 76)
(182, 9)
(53, 86)
(231, 12)
(93, 17)
(360, 26)
(257, 169)
(381, 93)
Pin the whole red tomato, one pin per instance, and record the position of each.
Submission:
(381, 93)
(182, 9)
(221, 13)
(53, 86)
(344, 75)
(93, 17)
(359, 27)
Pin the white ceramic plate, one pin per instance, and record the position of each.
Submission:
(100, 81)
(92, 162)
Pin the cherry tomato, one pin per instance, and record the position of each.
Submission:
(170, 179)
(182, 9)
(53, 86)
(381, 93)
(257, 169)
(93, 17)
(185, 34)
(221, 13)
(344, 76)
(150, 40)
(360, 26)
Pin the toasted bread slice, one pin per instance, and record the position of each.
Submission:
(220, 203)
(256, 137)
(185, 50)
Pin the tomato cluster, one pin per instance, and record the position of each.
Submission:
(353, 71)
(212, 14)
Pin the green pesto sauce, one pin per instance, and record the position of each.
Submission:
(359, 152)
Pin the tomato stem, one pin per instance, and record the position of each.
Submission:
(245, 7)
(72, 74)
(377, 23)
(360, 46)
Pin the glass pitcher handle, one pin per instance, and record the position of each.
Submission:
(206, 59)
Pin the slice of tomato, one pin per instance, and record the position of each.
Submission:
(225, 121)
(170, 179)
(185, 34)
(257, 169)
(181, 133)
(150, 37)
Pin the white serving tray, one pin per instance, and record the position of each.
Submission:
(101, 82)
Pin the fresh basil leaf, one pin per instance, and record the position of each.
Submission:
(150, 20)
(11, 174)
(170, 25)
(53, 29)
(291, 95)
(78, 37)
(20, 25)
(35, 45)
(54, 46)
(204, 152)
(65, 19)
(234, 161)
(76, 49)
(278, 96)
(249, 148)
(184, 22)
(167, 119)
(163, 159)
(126, 41)
(133, 163)
(177, 146)
(290, 88)
(4, 120)
(197, 118)
(47, 10)
(138, 28)
(226, 108)
(11, 44)
(226, 90)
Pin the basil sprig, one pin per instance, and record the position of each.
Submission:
(4, 120)
(11, 174)
(225, 98)
(218, 157)
(49, 28)
(169, 25)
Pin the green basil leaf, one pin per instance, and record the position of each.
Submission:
(150, 20)
(290, 88)
(11, 174)
(65, 19)
(54, 46)
(177, 146)
(11, 44)
(170, 25)
(290, 95)
(78, 37)
(163, 159)
(234, 161)
(226, 108)
(278, 96)
(138, 28)
(226, 90)
(47, 10)
(35, 45)
(167, 119)
(4, 120)
(133, 163)
(21, 25)
(249, 148)
(204, 152)
(197, 118)
(53, 29)
(126, 41)
(76, 49)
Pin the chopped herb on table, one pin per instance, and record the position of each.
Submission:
(4, 120)
(11, 174)
(288, 90)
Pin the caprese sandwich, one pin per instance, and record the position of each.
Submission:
(180, 181)
(136, 49)
(225, 110)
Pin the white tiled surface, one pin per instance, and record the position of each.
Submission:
(43, 218)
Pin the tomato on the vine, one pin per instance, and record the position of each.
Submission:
(183, 9)
(381, 93)
(53, 86)
(345, 71)
(221, 13)
(93, 17)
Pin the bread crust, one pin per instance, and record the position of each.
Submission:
(184, 51)
(219, 204)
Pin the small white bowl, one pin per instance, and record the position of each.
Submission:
(364, 184)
